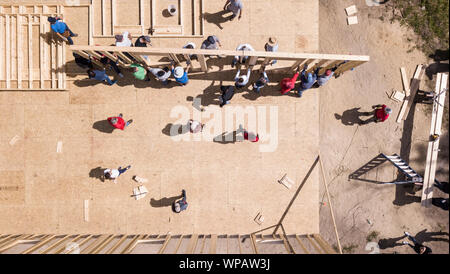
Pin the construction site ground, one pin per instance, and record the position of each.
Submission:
(226, 184)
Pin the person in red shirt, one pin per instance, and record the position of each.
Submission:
(119, 122)
(252, 137)
(288, 84)
(380, 114)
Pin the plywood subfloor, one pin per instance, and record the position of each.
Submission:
(226, 184)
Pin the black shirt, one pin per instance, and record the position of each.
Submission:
(227, 93)
(138, 42)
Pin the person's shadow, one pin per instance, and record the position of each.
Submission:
(98, 173)
(175, 129)
(390, 242)
(351, 116)
(217, 18)
(164, 202)
(227, 138)
(103, 126)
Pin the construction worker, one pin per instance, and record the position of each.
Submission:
(212, 42)
(235, 6)
(113, 174)
(287, 84)
(195, 126)
(140, 72)
(180, 205)
(118, 122)
(190, 45)
(250, 136)
(61, 28)
(262, 81)
(324, 78)
(418, 248)
(272, 46)
(241, 59)
(227, 94)
(242, 80)
(307, 79)
(161, 74)
(180, 74)
(100, 75)
(380, 114)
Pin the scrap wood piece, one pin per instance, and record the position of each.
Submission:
(405, 81)
(140, 192)
(397, 96)
(352, 20)
(14, 140)
(259, 219)
(414, 87)
(286, 181)
(351, 10)
(86, 210)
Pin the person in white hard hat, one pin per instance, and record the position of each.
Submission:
(180, 74)
(195, 126)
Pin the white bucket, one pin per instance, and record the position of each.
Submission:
(172, 10)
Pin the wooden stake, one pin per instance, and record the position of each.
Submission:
(330, 205)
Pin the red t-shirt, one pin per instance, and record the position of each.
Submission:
(288, 83)
(120, 124)
(256, 138)
(381, 114)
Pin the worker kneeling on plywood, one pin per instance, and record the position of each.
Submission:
(180, 205)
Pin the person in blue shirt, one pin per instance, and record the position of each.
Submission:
(181, 204)
(308, 80)
(100, 75)
(180, 74)
(61, 28)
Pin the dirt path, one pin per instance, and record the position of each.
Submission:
(360, 207)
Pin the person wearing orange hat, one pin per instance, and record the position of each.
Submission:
(118, 122)
(288, 84)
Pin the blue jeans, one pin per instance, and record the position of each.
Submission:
(70, 37)
(122, 170)
(110, 82)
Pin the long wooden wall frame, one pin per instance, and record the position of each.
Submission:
(325, 60)
(18, 71)
(126, 244)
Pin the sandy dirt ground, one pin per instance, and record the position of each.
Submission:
(227, 184)
(362, 208)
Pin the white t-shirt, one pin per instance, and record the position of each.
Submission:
(114, 173)
(125, 42)
(155, 71)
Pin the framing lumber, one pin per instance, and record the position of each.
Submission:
(103, 8)
(129, 248)
(301, 244)
(4, 239)
(99, 247)
(117, 244)
(202, 61)
(113, 15)
(323, 244)
(64, 247)
(405, 81)
(89, 248)
(178, 245)
(91, 25)
(330, 205)
(286, 244)
(19, 51)
(203, 244)
(1, 46)
(41, 52)
(53, 58)
(8, 49)
(409, 98)
(212, 244)
(44, 241)
(141, 15)
(63, 239)
(163, 247)
(252, 238)
(239, 242)
(314, 244)
(433, 146)
(30, 53)
(11, 243)
(260, 54)
(192, 244)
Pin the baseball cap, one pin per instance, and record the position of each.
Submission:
(388, 110)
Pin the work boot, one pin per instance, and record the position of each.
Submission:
(407, 234)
